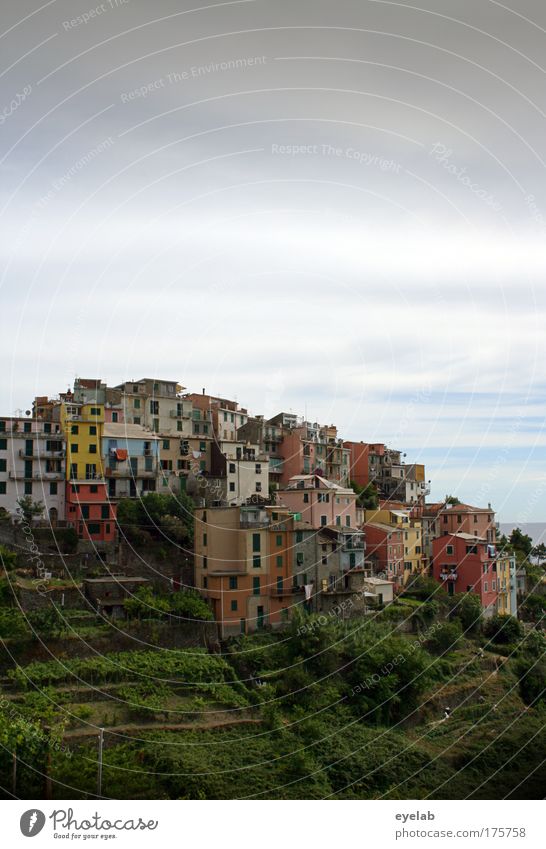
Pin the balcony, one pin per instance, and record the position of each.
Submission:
(448, 576)
(285, 592)
(42, 455)
(36, 476)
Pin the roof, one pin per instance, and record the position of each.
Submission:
(376, 581)
(467, 537)
(121, 430)
(345, 529)
(324, 483)
(467, 508)
(392, 529)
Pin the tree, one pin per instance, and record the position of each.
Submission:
(157, 516)
(521, 542)
(29, 508)
(367, 496)
(539, 551)
(8, 558)
(452, 499)
(469, 610)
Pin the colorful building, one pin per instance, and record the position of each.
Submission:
(465, 563)
(320, 502)
(88, 506)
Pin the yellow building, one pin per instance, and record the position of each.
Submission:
(506, 585)
(412, 534)
(82, 425)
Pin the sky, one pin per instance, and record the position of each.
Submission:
(332, 208)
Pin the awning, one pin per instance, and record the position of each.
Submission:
(121, 453)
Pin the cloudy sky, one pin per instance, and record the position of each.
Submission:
(334, 208)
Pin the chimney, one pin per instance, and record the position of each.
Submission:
(203, 390)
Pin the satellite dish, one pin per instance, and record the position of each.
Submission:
(27, 412)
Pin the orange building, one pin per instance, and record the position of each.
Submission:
(244, 566)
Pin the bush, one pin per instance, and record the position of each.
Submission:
(445, 638)
(503, 629)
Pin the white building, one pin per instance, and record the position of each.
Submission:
(32, 463)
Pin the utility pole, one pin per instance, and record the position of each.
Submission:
(99, 774)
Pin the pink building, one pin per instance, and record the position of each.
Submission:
(385, 550)
(462, 518)
(359, 462)
(320, 502)
(464, 563)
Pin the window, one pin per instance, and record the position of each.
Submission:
(2, 487)
(203, 447)
(154, 408)
(256, 561)
(323, 520)
(258, 486)
(3, 465)
(299, 558)
(279, 585)
(279, 561)
(92, 430)
(166, 444)
(232, 486)
(449, 549)
(348, 521)
(136, 419)
(278, 539)
(445, 520)
(233, 582)
(95, 411)
(475, 519)
(338, 520)
(93, 528)
(114, 417)
(255, 586)
(179, 425)
(3, 444)
(105, 512)
(306, 498)
(205, 561)
(74, 448)
(258, 468)
(27, 427)
(204, 539)
(493, 585)
(136, 403)
(485, 587)
(299, 536)
(256, 543)
(2, 427)
(232, 468)
(75, 429)
(93, 488)
(459, 519)
(53, 489)
(93, 448)
(234, 604)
